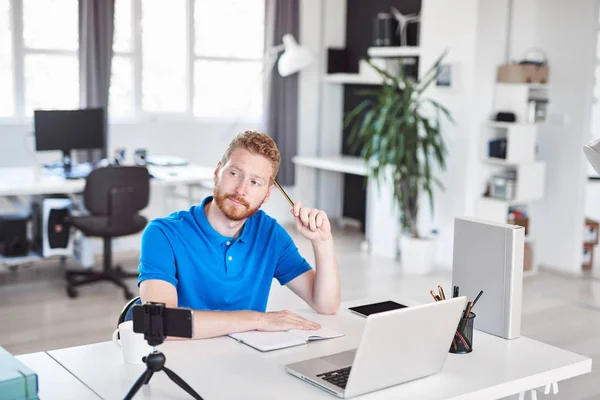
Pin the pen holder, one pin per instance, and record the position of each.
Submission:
(462, 342)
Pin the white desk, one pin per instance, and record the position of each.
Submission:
(31, 181)
(55, 382)
(382, 218)
(225, 369)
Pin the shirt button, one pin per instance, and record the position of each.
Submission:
(230, 258)
(228, 243)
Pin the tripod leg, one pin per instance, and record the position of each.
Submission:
(182, 384)
(138, 384)
(148, 377)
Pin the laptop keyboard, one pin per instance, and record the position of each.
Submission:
(339, 377)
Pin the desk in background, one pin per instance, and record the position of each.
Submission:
(20, 183)
(225, 369)
(382, 218)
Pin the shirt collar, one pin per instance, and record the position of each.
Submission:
(207, 228)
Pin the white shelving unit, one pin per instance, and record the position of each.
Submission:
(356, 79)
(403, 51)
(520, 144)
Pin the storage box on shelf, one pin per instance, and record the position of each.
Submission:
(590, 240)
(518, 184)
(523, 73)
(590, 231)
(588, 257)
(509, 143)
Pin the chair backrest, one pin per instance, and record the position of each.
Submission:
(117, 191)
(127, 313)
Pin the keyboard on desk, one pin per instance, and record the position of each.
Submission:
(78, 171)
(339, 377)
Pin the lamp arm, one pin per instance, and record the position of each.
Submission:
(275, 49)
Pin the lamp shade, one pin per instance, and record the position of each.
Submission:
(592, 153)
(294, 57)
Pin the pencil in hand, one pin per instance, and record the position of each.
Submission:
(283, 192)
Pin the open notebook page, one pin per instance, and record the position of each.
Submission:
(323, 333)
(266, 341)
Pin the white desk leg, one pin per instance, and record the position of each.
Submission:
(522, 396)
(549, 388)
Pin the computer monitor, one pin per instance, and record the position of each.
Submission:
(67, 130)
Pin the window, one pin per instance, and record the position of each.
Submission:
(200, 58)
(122, 89)
(208, 63)
(51, 77)
(228, 58)
(6, 69)
(39, 66)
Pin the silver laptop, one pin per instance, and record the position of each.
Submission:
(396, 347)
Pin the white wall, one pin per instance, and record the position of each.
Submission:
(474, 32)
(567, 31)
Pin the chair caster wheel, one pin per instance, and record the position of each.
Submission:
(72, 292)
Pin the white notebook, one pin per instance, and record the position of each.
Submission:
(488, 256)
(267, 341)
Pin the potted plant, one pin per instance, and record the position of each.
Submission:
(399, 133)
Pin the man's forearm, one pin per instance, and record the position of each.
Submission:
(209, 324)
(326, 289)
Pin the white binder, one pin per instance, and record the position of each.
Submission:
(488, 256)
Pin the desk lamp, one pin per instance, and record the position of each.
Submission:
(294, 58)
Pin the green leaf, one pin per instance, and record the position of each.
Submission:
(355, 112)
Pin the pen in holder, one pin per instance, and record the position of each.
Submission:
(462, 342)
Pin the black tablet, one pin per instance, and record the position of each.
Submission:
(374, 308)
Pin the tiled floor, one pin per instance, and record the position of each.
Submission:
(36, 314)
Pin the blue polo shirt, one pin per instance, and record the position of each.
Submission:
(216, 272)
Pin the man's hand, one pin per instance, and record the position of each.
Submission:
(313, 224)
(283, 321)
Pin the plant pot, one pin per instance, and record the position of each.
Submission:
(417, 256)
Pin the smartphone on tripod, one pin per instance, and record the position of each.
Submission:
(156, 318)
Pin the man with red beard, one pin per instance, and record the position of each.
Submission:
(219, 258)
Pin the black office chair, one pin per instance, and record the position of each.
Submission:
(127, 311)
(113, 196)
